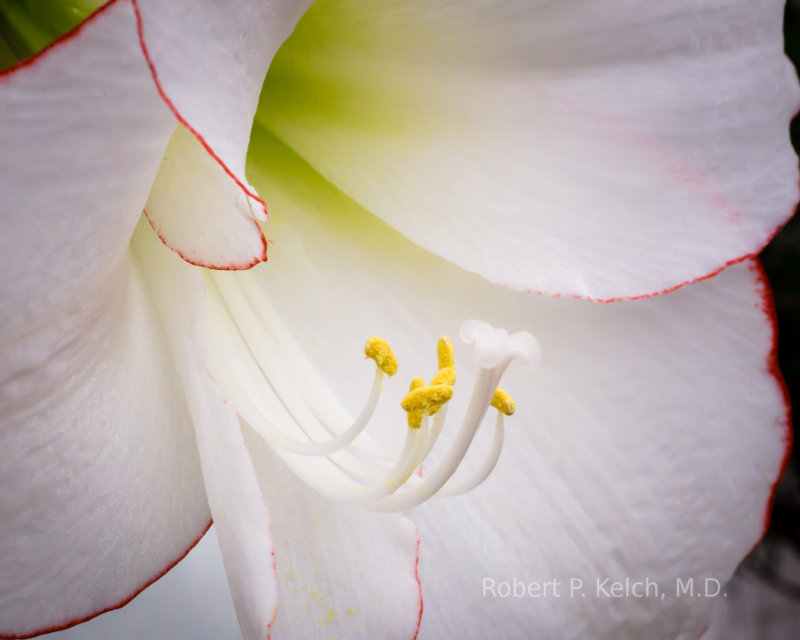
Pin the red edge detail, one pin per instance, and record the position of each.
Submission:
(644, 296)
(768, 307)
(181, 119)
(274, 573)
(57, 42)
(419, 587)
(69, 35)
(794, 211)
(77, 621)
(243, 266)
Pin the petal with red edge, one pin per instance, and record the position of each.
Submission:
(209, 62)
(83, 132)
(199, 212)
(100, 483)
(600, 151)
(647, 444)
(240, 514)
(100, 487)
(342, 571)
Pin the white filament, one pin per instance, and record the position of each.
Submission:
(458, 486)
(272, 383)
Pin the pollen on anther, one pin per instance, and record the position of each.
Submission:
(379, 350)
(415, 417)
(446, 375)
(427, 397)
(444, 352)
(503, 402)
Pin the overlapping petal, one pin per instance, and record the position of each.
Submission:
(637, 479)
(342, 571)
(602, 151)
(101, 487)
(240, 513)
(83, 132)
(209, 60)
(199, 212)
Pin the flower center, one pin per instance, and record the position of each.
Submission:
(277, 391)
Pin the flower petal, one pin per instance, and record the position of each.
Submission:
(199, 212)
(215, 99)
(191, 601)
(342, 572)
(82, 135)
(647, 445)
(240, 514)
(100, 487)
(568, 148)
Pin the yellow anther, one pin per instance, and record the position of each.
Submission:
(379, 350)
(426, 397)
(444, 376)
(503, 402)
(415, 417)
(447, 375)
(444, 351)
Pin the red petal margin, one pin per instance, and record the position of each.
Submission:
(768, 307)
(69, 35)
(27, 62)
(233, 266)
(122, 603)
(754, 255)
(419, 584)
(227, 267)
(262, 204)
(173, 108)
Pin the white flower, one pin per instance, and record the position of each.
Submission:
(411, 154)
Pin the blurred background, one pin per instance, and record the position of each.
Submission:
(762, 601)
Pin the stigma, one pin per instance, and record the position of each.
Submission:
(276, 389)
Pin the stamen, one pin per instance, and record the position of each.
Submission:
(427, 397)
(395, 478)
(320, 398)
(436, 429)
(251, 403)
(415, 417)
(503, 402)
(272, 382)
(380, 351)
(457, 486)
(479, 403)
(444, 353)
(445, 376)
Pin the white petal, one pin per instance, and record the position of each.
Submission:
(240, 514)
(83, 132)
(595, 150)
(342, 572)
(199, 212)
(100, 486)
(647, 444)
(191, 601)
(209, 63)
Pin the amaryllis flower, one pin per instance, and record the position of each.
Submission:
(424, 163)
